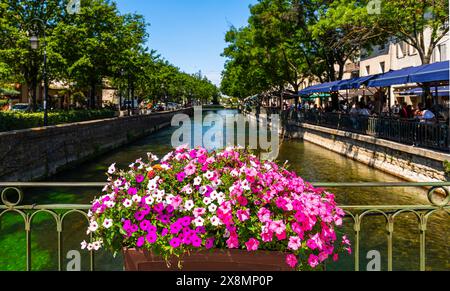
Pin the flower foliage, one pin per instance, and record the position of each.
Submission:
(196, 200)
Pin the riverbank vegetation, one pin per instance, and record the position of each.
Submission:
(22, 120)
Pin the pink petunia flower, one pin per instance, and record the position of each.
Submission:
(291, 260)
(252, 245)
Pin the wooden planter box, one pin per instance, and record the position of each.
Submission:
(216, 260)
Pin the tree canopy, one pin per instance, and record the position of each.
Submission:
(86, 49)
(288, 41)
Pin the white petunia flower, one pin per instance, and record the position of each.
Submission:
(112, 169)
(209, 175)
(215, 221)
(197, 181)
(83, 245)
(110, 204)
(107, 223)
(213, 195)
(149, 200)
(117, 183)
(165, 167)
(207, 200)
(93, 226)
(127, 203)
(89, 247)
(169, 199)
(136, 198)
(199, 221)
(212, 208)
(189, 205)
(203, 190)
(96, 245)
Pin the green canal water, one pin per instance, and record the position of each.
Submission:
(311, 162)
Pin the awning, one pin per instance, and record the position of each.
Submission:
(354, 83)
(320, 88)
(358, 82)
(442, 91)
(394, 77)
(432, 73)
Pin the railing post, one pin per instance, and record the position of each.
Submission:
(28, 241)
(390, 232)
(357, 229)
(423, 232)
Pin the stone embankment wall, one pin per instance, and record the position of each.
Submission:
(37, 153)
(406, 162)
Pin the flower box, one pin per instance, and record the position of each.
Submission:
(226, 210)
(214, 260)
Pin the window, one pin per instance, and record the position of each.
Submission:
(383, 67)
(443, 52)
(368, 70)
(401, 50)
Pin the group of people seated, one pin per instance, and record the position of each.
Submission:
(423, 113)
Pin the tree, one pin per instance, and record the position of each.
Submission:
(16, 24)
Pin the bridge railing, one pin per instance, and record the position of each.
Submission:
(12, 195)
(410, 132)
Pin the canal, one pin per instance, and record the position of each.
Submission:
(311, 162)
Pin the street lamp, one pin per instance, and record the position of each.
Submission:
(34, 42)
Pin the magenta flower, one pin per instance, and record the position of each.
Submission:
(243, 215)
(181, 176)
(313, 261)
(264, 215)
(209, 244)
(132, 191)
(164, 232)
(233, 242)
(185, 221)
(252, 245)
(140, 178)
(139, 215)
(152, 238)
(140, 242)
(175, 228)
(196, 241)
(144, 225)
(292, 261)
(175, 242)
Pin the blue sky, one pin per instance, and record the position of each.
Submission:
(190, 33)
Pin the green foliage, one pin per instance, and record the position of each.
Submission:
(89, 48)
(19, 120)
(286, 42)
(447, 168)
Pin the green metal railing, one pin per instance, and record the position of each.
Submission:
(409, 132)
(438, 196)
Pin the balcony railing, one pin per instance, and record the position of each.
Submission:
(12, 195)
(409, 132)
